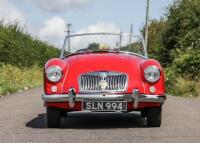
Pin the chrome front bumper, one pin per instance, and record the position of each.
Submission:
(135, 97)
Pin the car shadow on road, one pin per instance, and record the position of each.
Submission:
(94, 121)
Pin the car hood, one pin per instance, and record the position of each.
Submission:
(94, 62)
(107, 62)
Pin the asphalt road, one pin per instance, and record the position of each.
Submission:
(22, 120)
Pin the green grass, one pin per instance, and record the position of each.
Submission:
(185, 88)
(13, 79)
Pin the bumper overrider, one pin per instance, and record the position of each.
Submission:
(135, 97)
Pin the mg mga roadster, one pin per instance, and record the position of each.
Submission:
(111, 77)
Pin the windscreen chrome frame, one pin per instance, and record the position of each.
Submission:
(67, 39)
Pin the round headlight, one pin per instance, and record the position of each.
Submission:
(152, 74)
(54, 73)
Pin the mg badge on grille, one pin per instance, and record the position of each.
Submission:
(103, 83)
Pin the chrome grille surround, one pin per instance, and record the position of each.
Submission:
(103, 82)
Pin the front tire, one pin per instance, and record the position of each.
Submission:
(154, 116)
(53, 117)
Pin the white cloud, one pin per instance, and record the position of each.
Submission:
(100, 27)
(60, 5)
(53, 31)
(10, 13)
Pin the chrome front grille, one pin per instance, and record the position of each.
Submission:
(103, 82)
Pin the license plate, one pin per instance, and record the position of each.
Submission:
(105, 105)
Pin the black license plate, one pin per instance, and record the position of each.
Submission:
(104, 105)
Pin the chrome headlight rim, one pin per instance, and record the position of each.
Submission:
(156, 73)
(54, 69)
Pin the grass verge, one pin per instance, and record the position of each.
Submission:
(13, 79)
(181, 86)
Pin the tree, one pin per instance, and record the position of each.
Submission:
(155, 45)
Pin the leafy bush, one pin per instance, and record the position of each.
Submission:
(187, 65)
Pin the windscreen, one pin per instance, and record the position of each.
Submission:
(99, 42)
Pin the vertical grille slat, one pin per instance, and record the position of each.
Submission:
(115, 83)
(83, 81)
(90, 81)
(93, 82)
(96, 83)
(118, 82)
(112, 80)
(86, 83)
(109, 83)
(120, 85)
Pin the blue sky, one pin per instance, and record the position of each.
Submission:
(45, 19)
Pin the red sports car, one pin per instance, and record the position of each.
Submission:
(104, 77)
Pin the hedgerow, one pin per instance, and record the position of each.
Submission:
(22, 58)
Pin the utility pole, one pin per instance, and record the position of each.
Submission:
(120, 40)
(68, 34)
(130, 38)
(147, 24)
